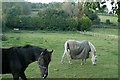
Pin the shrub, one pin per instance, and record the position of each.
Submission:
(71, 24)
(96, 21)
(4, 38)
(108, 21)
(92, 16)
(85, 23)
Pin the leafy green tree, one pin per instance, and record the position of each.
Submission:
(85, 24)
(11, 14)
(89, 10)
(118, 13)
(12, 11)
(25, 8)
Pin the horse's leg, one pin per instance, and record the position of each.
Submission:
(63, 57)
(85, 61)
(15, 76)
(82, 62)
(22, 75)
(68, 56)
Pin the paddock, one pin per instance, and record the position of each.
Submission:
(107, 54)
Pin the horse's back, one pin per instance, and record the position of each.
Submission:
(73, 44)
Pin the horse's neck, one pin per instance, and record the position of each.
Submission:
(93, 50)
(29, 58)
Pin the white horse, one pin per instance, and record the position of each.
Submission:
(79, 50)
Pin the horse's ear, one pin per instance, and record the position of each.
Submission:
(45, 49)
(51, 51)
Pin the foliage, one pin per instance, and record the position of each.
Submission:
(52, 16)
(4, 37)
(92, 16)
(72, 24)
(26, 22)
(57, 20)
(38, 5)
(12, 11)
(108, 21)
(85, 23)
(90, 11)
(16, 8)
(92, 5)
(118, 12)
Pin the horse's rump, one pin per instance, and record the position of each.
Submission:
(12, 58)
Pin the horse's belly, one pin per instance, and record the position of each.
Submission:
(6, 69)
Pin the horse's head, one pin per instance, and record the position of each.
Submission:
(94, 59)
(43, 62)
(93, 51)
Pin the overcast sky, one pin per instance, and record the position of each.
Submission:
(47, 1)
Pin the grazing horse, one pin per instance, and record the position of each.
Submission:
(15, 60)
(79, 50)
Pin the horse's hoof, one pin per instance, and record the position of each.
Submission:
(82, 64)
(70, 63)
(62, 63)
(94, 64)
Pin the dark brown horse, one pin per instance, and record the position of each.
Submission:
(15, 60)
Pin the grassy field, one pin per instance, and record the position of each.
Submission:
(112, 19)
(105, 31)
(107, 52)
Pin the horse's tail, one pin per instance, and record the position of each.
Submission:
(67, 47)
(92, 47)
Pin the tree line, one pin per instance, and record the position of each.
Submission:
(67, 16)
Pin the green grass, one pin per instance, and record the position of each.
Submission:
(34, 13)
(113, 19)
(105, 31)
(107, 51)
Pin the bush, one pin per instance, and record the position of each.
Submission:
(96, 21)
(4, 38)
(92, 16)
(85, 23)
(71, 24)
(108, 21)
(50, 19)
(58, 20)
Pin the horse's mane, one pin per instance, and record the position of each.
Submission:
(26, 46)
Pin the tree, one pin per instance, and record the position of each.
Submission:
(80, 14)
(12, 11)
(118, 13)
(25, 8)
(68, 7)
(11, 15)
